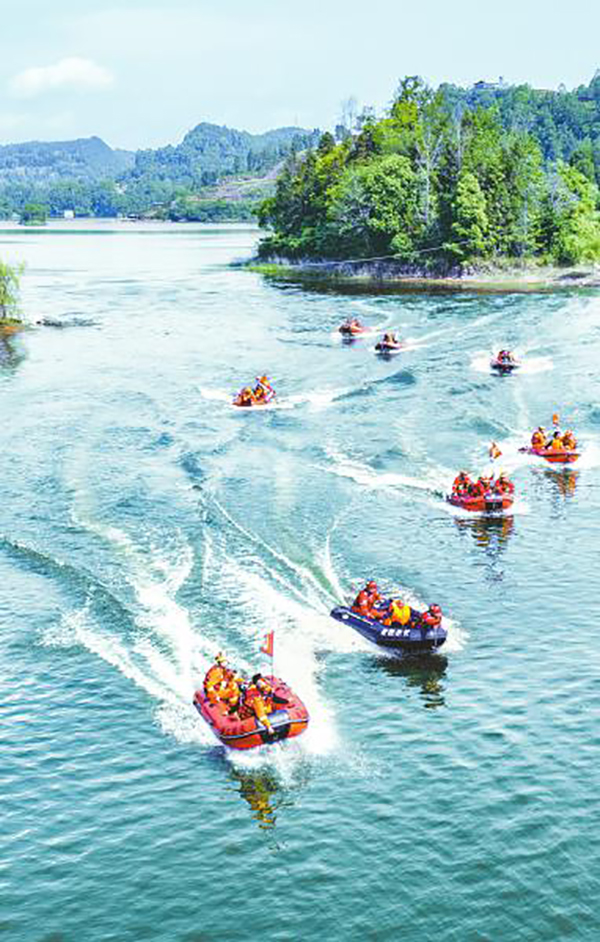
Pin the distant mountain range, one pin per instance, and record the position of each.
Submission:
(89, 177)
(41, 161)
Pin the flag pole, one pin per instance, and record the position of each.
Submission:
(268, 648)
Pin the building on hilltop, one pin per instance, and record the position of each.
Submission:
(483, 86)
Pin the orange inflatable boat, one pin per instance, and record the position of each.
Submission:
(288, 720)
(554, 457)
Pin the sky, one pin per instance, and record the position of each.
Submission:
(140, 73)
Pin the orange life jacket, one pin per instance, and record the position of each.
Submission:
(538, 440)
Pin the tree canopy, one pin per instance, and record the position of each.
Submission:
(436, 181)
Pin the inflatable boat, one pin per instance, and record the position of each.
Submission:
(249, 404)
(504, 366)
(554, 457)
(352, 330)
(490, 503)
(288, 720)
(388, 349)
(414, 638)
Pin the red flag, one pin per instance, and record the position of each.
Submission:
(267, 647)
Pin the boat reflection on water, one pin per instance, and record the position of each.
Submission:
(492, 534)
(563, 482)
(425, 673)
(265, 793)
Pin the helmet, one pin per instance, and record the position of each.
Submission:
(256, 678)
(263, 379)
(541, 428)
(371, 585)
(220, 658)
(435, 610)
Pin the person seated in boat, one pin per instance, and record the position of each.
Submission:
(222, 684)
(538, 439)
(569, 441)
(556, 442)
(366, 601)
(245, 397)
(432, 618)
(505, 356)
(461, 485)
(480, 487)
(398, 613)
(504, 485)
(263, 391)
(215, 676)
(258, 701)
(351, 325)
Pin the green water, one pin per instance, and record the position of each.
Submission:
(146, 524)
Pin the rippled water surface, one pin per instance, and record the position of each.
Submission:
(146, 523)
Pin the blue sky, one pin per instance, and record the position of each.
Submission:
(140, 73)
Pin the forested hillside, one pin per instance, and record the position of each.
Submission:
(90, 178)
(446, 178)
(562, 122)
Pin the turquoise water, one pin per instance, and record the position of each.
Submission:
(146, 524)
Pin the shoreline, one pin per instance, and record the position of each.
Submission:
(391, 276)
(9, 326)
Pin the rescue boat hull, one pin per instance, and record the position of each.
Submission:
(489, 504)
(387, 350)
(348, 335)
(400, 640)
(288, 721)
(554, 457)
(502, 368)
(253, 405)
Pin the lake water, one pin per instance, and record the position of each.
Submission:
(146, 524)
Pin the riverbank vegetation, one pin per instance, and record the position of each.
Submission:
(10, 279)
(436, 185)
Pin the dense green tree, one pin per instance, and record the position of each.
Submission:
(572, 219)
(470, 225)
(33, 213)
(10, 277)
(442, 179)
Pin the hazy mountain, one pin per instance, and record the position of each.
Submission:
(45, 161)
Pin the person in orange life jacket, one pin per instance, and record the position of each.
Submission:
(215, 676)
(569, 440)
(365, 601)
(538, 439)
(432, 618)
(263, 389)
(461, 484)
(479, 488)
(221, 684)
(504, 485)
(505, 356)
(258, 701)
(556, 442)
(245, 396)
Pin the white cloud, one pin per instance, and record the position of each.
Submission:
(72, 72)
